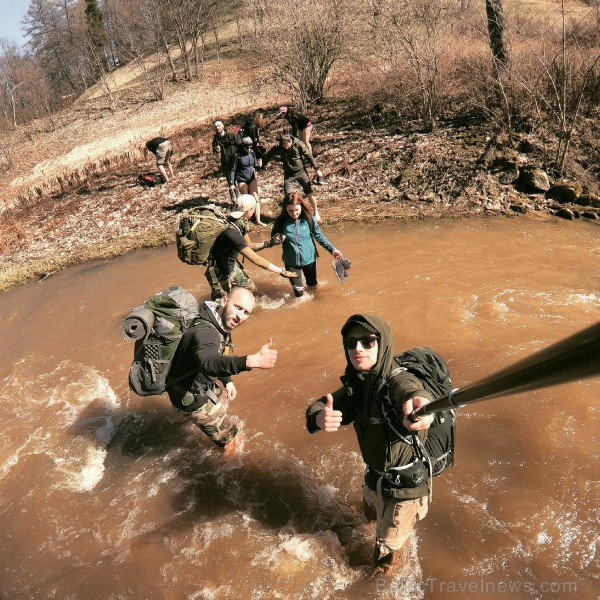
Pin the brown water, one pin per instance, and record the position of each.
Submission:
(107, 495)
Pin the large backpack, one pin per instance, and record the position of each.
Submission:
(431, 370)
(197, 232)
(157, 327)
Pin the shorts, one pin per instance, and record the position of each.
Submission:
(163, 153)
(310, 274)
(220, 286)
(301, 178)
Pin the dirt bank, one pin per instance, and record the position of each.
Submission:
(377, 169)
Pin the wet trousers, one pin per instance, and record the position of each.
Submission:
(395, 520)
(220, 284)
(211, 418)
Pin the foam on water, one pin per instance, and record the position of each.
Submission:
(319, 553)
(70, 390)
(546, 305)
(286, 300)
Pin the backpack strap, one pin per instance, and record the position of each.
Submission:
(198, 218)
(391, 418)
(226, 343)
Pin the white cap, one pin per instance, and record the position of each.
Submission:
(244, 203)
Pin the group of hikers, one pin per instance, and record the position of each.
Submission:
(378, 398)
(241, 154)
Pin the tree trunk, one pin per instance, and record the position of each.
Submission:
(495, 19)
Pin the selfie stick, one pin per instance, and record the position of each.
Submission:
(575, 357)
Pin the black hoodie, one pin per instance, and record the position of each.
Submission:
(359, 402)
(199, 359)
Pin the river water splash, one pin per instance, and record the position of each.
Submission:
(107, 495)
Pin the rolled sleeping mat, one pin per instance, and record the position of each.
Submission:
(138, 323)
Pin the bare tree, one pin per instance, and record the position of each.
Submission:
(495, 23)
(301, 41)
(413, 35)
(24, 92)
(140, 40)
(56, 44)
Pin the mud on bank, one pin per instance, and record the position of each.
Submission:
(377, 170)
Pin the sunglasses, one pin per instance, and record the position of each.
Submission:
(366, 342)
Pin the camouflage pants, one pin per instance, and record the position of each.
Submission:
(211, 418)
(221, 285)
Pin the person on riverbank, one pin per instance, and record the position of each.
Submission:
(224, 271)
(242, 174)
(293, 155)
(224, 145)
(396, 507)
(203, 358)
(251, 129)
(301, 125)
(298, 230)
(163, 150)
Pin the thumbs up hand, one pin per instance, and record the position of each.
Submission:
(328, 419)
(264, 359)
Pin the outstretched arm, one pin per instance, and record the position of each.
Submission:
(320, 237)
(265, 264)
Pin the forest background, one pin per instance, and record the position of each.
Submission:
(422, 108)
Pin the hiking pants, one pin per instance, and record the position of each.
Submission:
(212, 420)
(220, 286)
(395, 520)
(301, 178)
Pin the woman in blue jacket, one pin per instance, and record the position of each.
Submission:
(299, 230)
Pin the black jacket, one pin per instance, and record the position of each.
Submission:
(199, 359)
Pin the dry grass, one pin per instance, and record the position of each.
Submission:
(73, 198)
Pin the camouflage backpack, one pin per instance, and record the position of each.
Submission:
(197, 232)
(157, 327)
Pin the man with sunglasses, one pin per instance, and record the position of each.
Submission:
(395, 505)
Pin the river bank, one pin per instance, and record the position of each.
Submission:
(377, 169)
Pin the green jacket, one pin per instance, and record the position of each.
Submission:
(359, 401)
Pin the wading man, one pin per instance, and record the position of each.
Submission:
(387, 450)
(223, 268)
(204, 357)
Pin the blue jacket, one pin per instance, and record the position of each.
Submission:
(299, 247)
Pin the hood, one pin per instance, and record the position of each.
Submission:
(385, 355)
(209, 312)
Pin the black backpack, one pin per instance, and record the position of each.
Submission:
(431, 370)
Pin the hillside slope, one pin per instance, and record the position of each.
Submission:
(73, 196)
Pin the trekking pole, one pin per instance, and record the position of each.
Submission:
(575, 357)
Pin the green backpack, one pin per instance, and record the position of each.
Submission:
(198, 230)
(157, 327)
